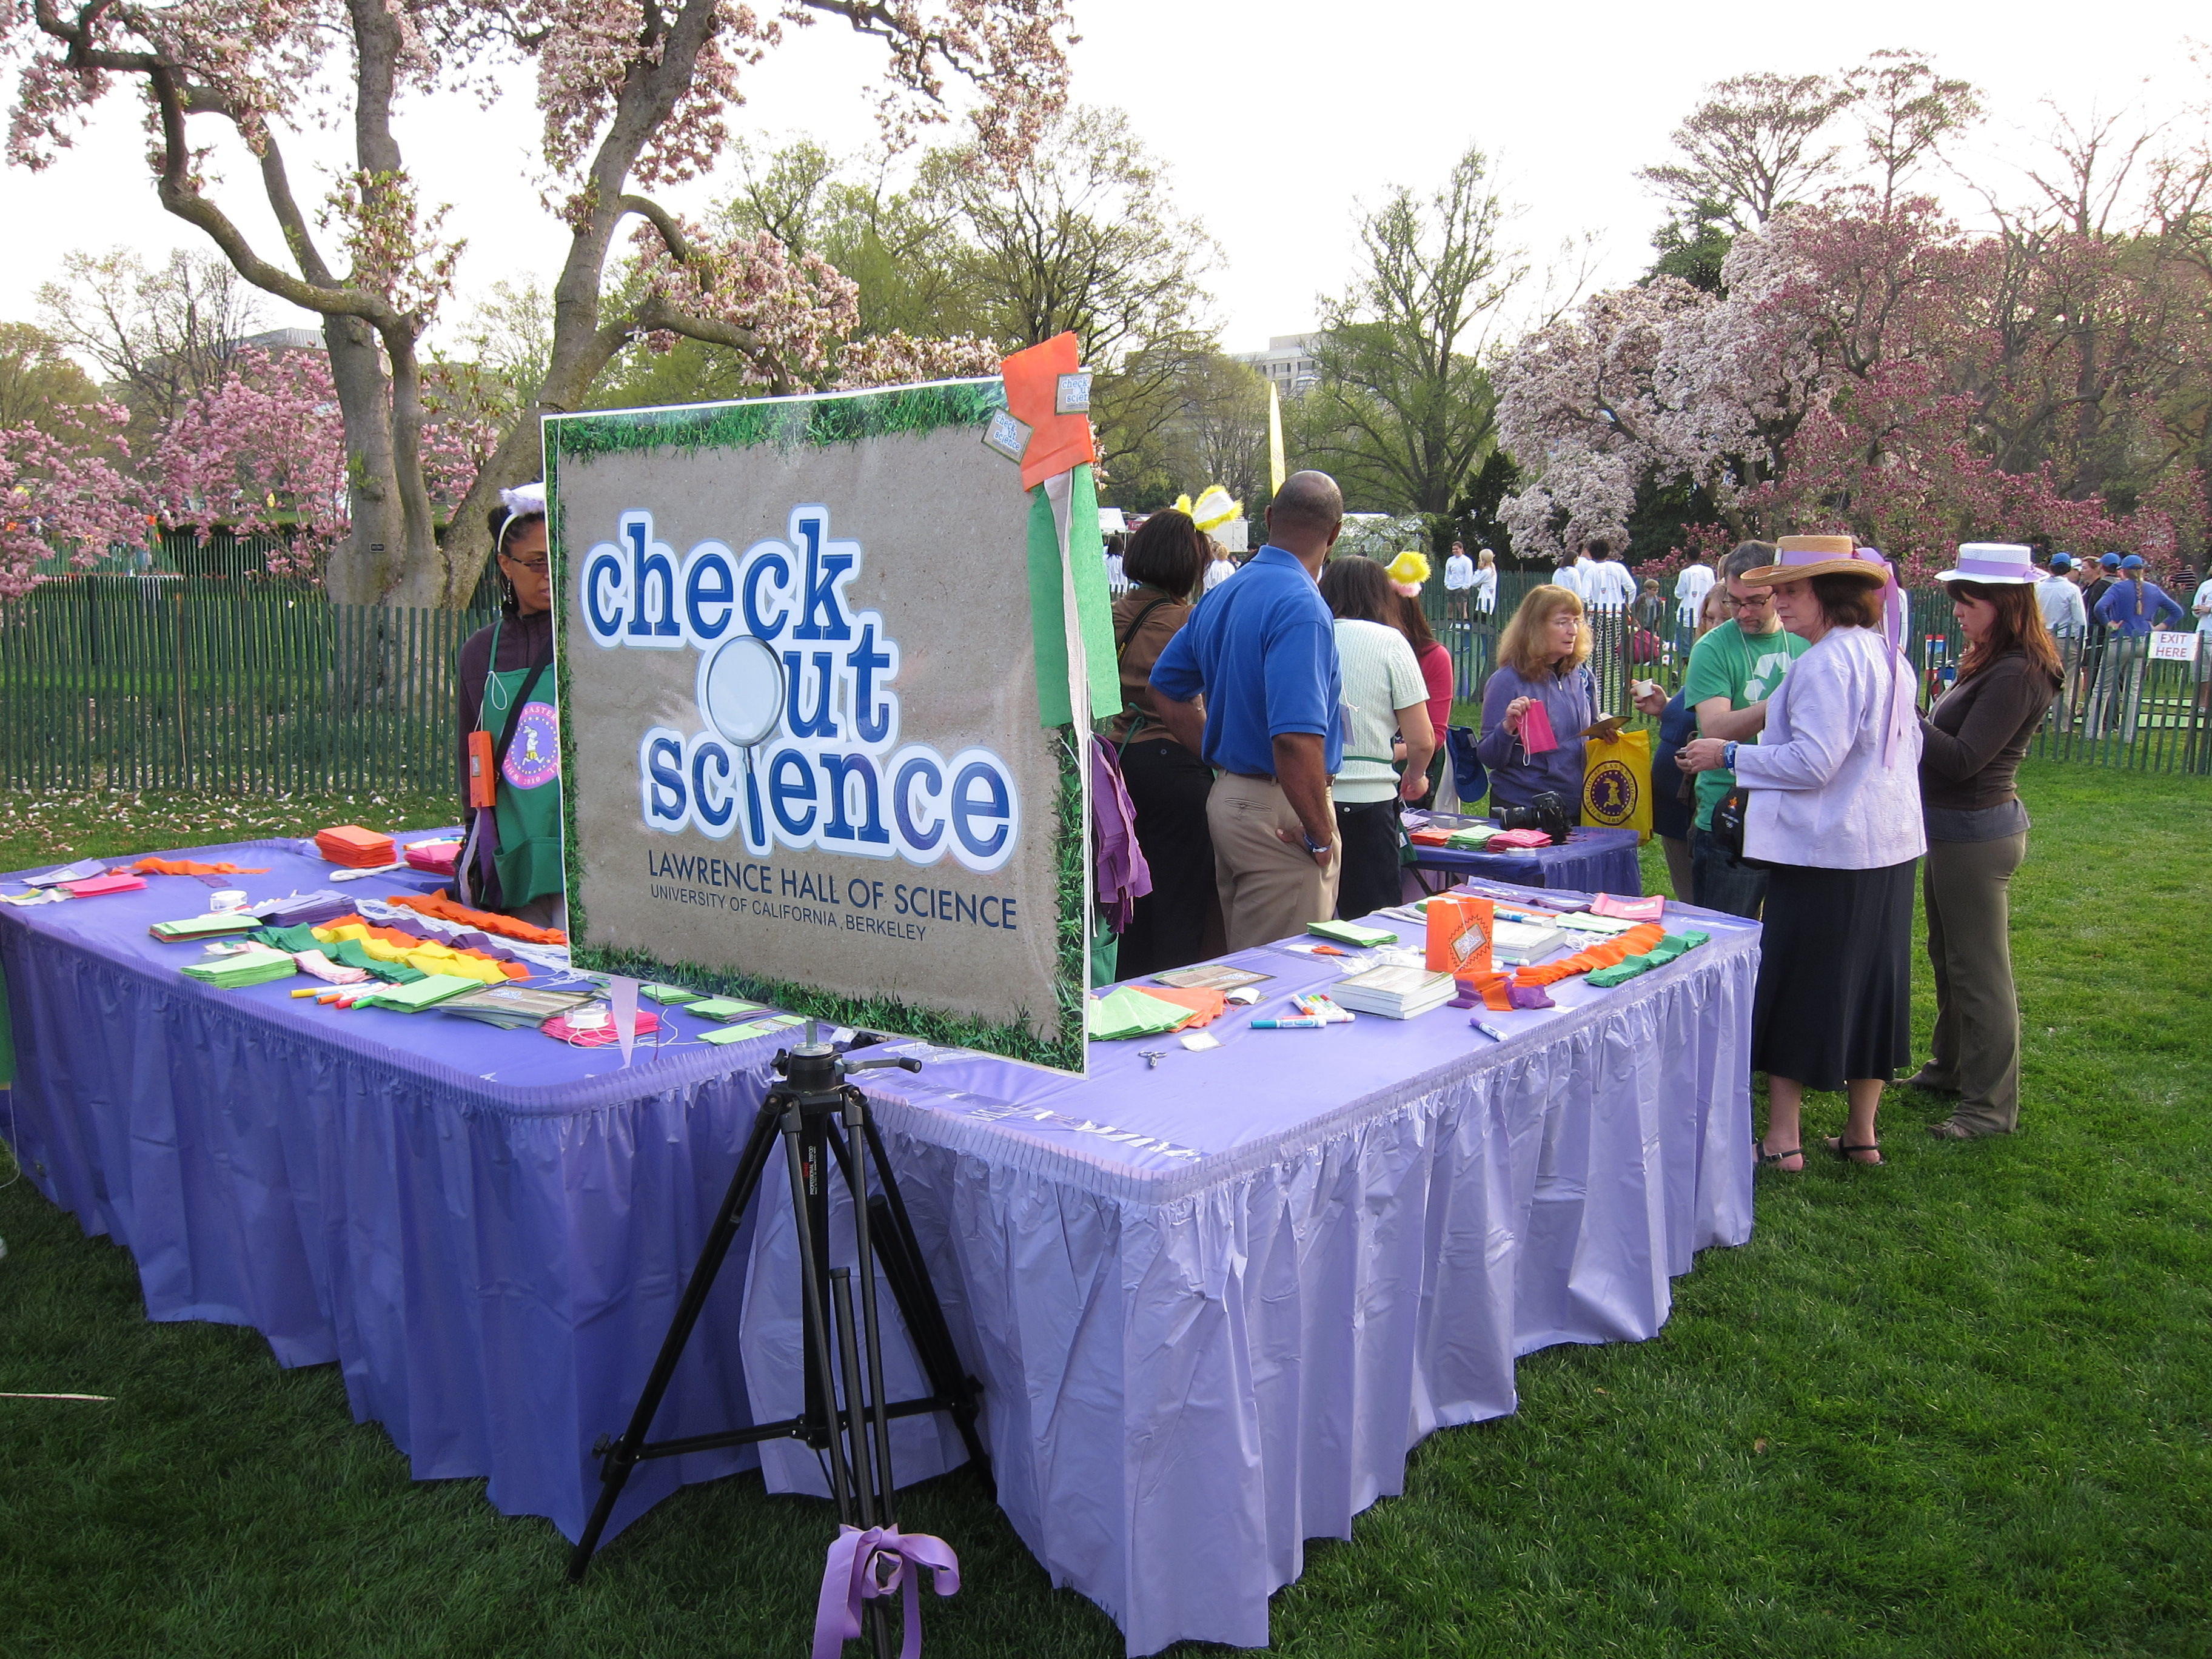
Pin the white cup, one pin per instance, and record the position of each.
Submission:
(230, 898)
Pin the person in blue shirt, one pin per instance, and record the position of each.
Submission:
(2135, 606)
(1251, 683)
(2130, 611)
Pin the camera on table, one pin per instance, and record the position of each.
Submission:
(1546, 812)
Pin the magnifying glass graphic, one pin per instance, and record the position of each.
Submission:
(741, 694)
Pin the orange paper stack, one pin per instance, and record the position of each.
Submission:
(355, 847)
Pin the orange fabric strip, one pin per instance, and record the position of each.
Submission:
(192, 867)
(1633, 943)
(484, 922)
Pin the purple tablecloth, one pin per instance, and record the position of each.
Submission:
(1213, 1304)
(1592, 861)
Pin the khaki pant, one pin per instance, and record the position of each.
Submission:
(1976, 1048)
(1270, 889)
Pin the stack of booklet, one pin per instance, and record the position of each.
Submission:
(1513, 943)
(514, 1006)
(207, 926)
(1395, 992)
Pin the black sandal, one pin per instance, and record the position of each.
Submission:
(1773, 1160)
(1836, 1144)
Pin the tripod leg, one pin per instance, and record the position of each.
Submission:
(622, 1457)
(879, 1421)
(901, 1252)
(805, 1153)
(848, 1359)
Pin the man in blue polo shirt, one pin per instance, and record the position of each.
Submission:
(1251, 684)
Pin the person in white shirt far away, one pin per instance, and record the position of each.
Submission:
(1611, 588)
(1569, 575)
(1691, 587)
(1459, 585)
(1220, 570)
(1485, 583)
(1117, 581)
(2059, 598)
(2202, 607)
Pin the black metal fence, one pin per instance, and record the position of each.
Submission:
(224, 686)
(2122, 707)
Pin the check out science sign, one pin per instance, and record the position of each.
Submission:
(802, 756)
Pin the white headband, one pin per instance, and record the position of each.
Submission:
(525, 500)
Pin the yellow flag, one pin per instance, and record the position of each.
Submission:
(1617, 781)
(1275, 473)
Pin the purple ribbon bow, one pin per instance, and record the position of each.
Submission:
(849, 1578)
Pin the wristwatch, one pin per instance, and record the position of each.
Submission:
(1316, 847)
(1727, 756)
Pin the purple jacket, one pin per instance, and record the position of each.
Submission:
(1118, 863)
(1517, 777)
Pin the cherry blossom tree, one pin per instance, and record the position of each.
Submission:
(262, 453)
(633, 93)
(61, 492)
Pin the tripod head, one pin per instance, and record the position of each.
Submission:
(816, 1072)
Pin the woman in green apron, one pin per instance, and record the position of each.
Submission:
(511, 732)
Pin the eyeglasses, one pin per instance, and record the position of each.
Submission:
(1764, 596)
(536, 567)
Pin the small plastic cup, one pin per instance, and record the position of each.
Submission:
(229, 898)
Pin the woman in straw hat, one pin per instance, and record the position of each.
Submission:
(1973, 740)
(1834, 814)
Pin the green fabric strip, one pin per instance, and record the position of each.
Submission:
(1094, 605)
(1047, 619)
(348, 952)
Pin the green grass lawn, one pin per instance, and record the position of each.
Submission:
(1958, 1406)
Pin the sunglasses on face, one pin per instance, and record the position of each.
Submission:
(536, 567)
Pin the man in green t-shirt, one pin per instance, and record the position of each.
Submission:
(1733, 670)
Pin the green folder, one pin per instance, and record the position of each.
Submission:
(675, 993)
(214, 921)
(1129, 1012)
(1351, 932)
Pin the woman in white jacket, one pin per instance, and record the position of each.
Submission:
(1834, 813)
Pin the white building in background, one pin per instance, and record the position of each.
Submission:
(1288, 363)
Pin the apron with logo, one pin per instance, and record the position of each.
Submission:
(524, 842)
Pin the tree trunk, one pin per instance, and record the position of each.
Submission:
(368, 566)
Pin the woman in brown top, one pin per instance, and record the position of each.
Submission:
(1168, 785)
(1972, 746)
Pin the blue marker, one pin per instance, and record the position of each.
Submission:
(1490, 1031)
(1296, 1023)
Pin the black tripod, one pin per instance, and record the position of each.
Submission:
(820, 1116)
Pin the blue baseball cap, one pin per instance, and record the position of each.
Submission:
(2062, 561)
(2111, 562)
(2133, 561)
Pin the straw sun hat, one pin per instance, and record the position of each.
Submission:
(1806, 556)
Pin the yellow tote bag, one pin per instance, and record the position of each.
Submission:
(1617, 782)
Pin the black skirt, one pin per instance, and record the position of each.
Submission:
(1835, 976)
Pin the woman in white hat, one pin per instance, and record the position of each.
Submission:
(1834, 814)
(1973, 740)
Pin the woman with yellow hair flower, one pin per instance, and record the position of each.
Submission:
(1408, 573)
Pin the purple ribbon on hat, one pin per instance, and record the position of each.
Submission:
(1994, 561)
(849, 1579)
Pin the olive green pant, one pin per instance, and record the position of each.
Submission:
(1976, 1050)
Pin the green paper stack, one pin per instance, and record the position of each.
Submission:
(723, 1008)
(1474, 838)
(256, 966)
(752, 1028)
(667, 993)
(425, 992)
(205, 926)
(1351, 932)
(1128, 1013)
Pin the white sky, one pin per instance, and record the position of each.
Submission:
(1275, 118)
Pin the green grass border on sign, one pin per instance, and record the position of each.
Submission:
(791, 423)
